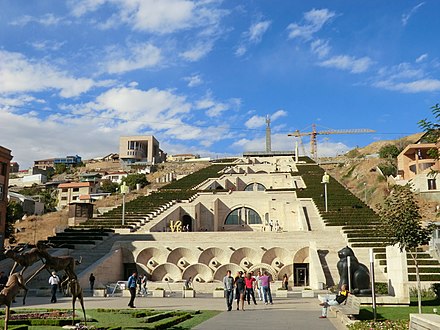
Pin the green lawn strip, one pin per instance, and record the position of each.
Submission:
(397, 313)
(195, 320)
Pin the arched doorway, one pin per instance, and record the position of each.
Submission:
(187, 223)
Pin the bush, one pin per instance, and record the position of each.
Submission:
(435, 287)
(381, 288)
(389, 151)
(425, 293)
(386, 325)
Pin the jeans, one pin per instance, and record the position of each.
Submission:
(267, 293)
(132, 296)
(229, 294)
(326, 304)
(53, 290)
(249, 293)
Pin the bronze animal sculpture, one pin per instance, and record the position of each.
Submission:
(76, 292)
(25, 259)
(360, 276)
(10, 291)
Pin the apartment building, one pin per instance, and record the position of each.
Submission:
(51, 162)
(72, 192)
(5, 165)
(143, 148)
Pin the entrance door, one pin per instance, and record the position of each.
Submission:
(187, 222)
(301, 274)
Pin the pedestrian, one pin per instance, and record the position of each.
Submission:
(3, 280)
(286, 282)
(139, 284)
(340, 298)
(54, 281)
(132, 280)
(239, 290)
(92, 281)
(259, 286)
(188, 283)
(144, 285)
(228, 283)
(265, 283)
(249, 283)
(271, 224)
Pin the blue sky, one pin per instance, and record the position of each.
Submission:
(202, 75)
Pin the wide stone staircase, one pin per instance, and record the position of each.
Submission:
(358, 222)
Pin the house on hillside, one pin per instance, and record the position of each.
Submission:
(51, 162)
(71, 192)
(140, 149)
(416, 166)
(115, 177)
(29, 205)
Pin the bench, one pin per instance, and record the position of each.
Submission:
(350, 307)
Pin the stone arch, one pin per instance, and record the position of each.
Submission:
(236, 216)
(182, 257)
(245, 257)
(302, 255)
(277, 257)
(199, 273)
(221, 271)
(150, 257)
(287, 269)
(166, 272)
(264, 267)
(255, 186)
(213, 257)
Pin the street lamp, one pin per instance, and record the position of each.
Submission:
(124, 190)
(365, 192)
(325, 181)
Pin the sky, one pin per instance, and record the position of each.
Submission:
(201, 76)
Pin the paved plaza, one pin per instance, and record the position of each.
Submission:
(285, 313)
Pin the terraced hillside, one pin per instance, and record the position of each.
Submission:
(357, 220)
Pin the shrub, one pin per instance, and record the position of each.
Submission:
(381, 288)
(435, 287)
(389, 151)
(426, 293)
(385, 325)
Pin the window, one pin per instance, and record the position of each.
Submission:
(1, 191)
(2, 168)
(75, 189)
(432, 184)
(243, 215)
(255, 187)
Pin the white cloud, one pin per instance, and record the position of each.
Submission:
(194, 80)
(314, 20)
(81, 7)
(47, 45)
(252, 36)
(18, 75)
(255, 122)
(214, 108)
(278, 114)
(46, 20)
(197, 52)
(257, 30)
(348, 63)
(421, 58)
(320, 47)
(138, 56)
(416, 86)
(407, 16)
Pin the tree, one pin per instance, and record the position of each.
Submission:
(108, 186)
(133, 179)
(432, 130)
(389, 151)
(14, 212)
(401, 225)
(60, 168)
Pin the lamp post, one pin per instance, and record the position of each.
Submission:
(373, 289)
(365, 192)
(325, 181)
(124, 190)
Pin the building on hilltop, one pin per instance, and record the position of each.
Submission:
(416, 166)
(51, 162)
(140, 149)
(5, 165)
(181, 157)
(29, 205)
(14, 167)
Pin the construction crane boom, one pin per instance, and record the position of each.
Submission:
(314, 133)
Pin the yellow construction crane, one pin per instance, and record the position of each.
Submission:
(314, 133)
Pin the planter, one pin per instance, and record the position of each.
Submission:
(281, 293)
(43, 293)
(158, 293)
(188, 293)
(307, 294)
(218, 293)
(99, 293)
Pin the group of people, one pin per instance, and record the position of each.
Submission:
(244, 285)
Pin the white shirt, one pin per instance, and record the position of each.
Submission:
(54, 279)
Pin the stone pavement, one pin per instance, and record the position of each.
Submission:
(285, 313)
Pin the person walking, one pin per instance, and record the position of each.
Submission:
(54, 281)
(249, 283)
(132, 282)
(92, 281)
(286, 282)
(144, 283)
(258, 286)
(239, 290)
(265, 283)
(228, 284)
